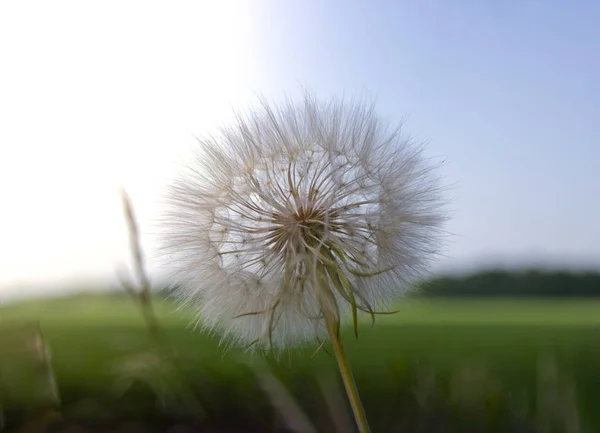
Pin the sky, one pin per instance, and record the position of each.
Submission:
(95, 96)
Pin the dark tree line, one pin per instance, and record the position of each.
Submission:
(516, 283)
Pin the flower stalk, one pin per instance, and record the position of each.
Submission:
(328, 270)
(346, 372)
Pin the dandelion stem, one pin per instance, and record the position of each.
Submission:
(346, 373)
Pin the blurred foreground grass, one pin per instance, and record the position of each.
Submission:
(475, 363)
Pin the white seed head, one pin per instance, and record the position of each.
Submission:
(298, 210)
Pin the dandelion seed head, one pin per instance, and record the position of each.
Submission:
(299, 208)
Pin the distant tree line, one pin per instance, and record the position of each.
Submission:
(515, 283)
(508, 283)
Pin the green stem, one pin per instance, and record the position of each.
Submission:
(346, 373)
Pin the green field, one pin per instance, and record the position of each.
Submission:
(480, 359)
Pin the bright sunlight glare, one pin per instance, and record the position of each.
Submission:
(99, 95)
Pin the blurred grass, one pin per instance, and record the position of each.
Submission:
(87, 332)
(90, 334)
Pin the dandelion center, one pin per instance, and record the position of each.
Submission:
(295, 230)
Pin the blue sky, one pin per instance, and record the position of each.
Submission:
(98, 96)
(507, 92)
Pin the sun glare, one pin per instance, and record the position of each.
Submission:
(101, 95)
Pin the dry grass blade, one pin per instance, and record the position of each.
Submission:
(340, 416)
(293, 415)
(166, 353)
(26, 374)
(143, 293)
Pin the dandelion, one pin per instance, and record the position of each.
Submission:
(294, 216)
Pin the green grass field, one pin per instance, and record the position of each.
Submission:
(495, 347)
